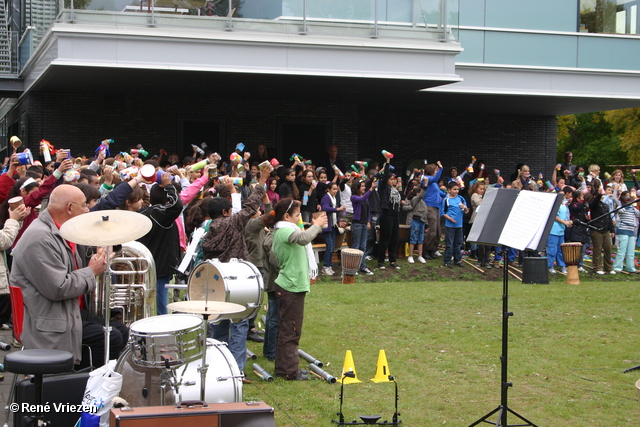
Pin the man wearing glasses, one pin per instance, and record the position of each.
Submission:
(52, 273)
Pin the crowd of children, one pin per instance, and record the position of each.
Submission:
(220, 194)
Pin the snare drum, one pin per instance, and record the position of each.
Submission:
(236, 281)
(173, 338)
(141, 386)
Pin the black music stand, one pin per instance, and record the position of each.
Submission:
(523, 220)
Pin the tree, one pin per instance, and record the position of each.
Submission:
(592, 139)
(627, 124)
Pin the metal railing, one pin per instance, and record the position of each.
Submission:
(427, 20)
(9, 62)
(338, 17)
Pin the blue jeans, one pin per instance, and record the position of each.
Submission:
(359, 235)
(330, 241)
(162, 293)
(307, 216)
(511, 254)
(554, 252)
(371, 235)
(271, 327)
(626, 249)
(453, 238)
(235, 335)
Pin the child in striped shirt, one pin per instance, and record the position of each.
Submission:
(626, 230)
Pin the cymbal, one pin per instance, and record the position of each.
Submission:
(206, 307)
(105, 228)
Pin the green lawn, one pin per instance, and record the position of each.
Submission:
(568, 346)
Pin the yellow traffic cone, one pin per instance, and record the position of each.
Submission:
(382, 372)
(349, 366)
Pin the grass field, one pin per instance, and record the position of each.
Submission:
(568, 346)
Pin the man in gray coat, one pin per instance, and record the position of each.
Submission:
(52, 275)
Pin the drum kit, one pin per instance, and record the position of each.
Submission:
(168, 357)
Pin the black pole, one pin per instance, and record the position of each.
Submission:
(503, 409)
(504, 358)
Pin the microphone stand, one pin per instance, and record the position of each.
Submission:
(612, 212)
(635, 368)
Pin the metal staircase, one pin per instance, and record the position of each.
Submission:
(5, 41)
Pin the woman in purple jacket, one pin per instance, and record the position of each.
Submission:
(361, 218)
(331, 205)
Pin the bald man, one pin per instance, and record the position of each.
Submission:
(52, 274)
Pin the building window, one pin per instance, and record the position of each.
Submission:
(609, 16)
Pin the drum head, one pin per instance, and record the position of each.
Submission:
(351, 251)
(166, 323)
(206, 283)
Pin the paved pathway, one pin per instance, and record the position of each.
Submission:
(5, 384)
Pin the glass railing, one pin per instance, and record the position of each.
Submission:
(610, 16)
(421, 19)
(427, 20)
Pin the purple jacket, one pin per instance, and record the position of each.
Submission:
(357, 202)
(325, 203)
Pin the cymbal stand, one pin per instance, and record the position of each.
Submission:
(106, 275)
(504, 409)
(205, 366)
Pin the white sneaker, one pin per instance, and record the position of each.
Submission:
(410, 260)
(582, 270)
(437, 253)
(422, 260)
(552, 270)
(600, 272)
(612, 272)
(564, 270)
(369, 258)
(328, 271)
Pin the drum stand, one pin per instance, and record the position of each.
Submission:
(366, 419)
(168, 376)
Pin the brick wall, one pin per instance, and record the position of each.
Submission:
(81, 121)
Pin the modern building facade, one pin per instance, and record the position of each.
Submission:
(435, 79)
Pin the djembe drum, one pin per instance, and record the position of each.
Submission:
(571, 254)
(351, 259)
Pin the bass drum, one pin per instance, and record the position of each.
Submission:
(236, 281)
(141, 386)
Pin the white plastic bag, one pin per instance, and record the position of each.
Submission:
(103, 385)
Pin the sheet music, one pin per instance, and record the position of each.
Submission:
(191, 249)
(527, 220)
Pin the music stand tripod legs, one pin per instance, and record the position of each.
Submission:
(503, 410)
